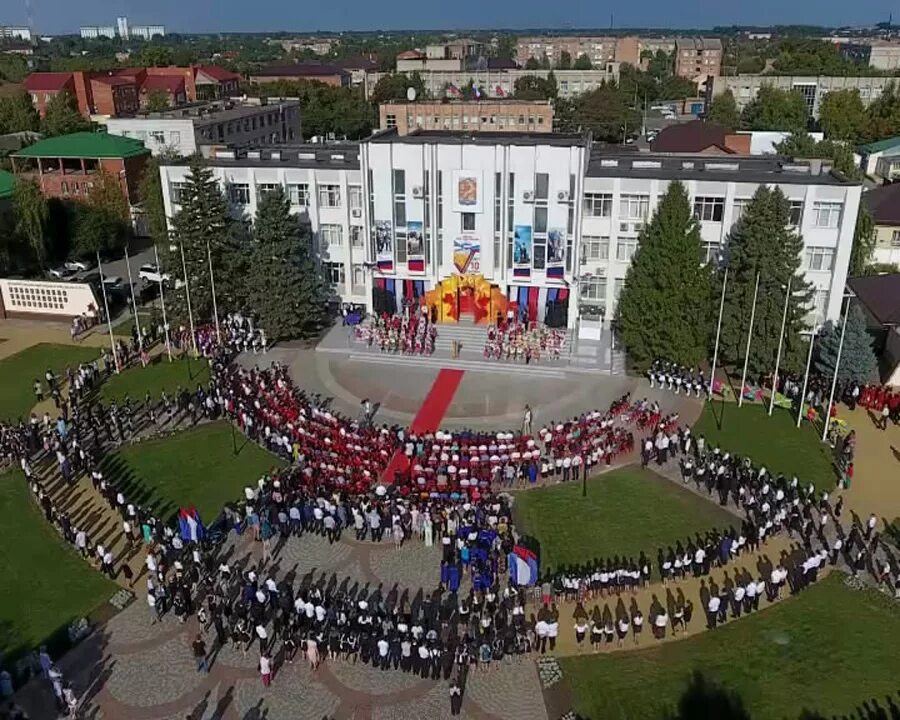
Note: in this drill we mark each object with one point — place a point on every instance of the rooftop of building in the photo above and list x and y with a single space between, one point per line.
881 296
473 102
299 70
213 112
84 145
335 156
113 79
613 161
451 137
884 204
46 81
167 83
690 137
216 73
7 182
698 43
880 145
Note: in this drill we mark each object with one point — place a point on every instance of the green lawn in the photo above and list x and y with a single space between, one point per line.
625 511
827 650
159 375
18 373
46 586
195 467
771 441
123 329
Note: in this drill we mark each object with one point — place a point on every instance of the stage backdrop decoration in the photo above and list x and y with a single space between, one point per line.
556 253
522 249
467 191
467 255
415 246
384 245
487 299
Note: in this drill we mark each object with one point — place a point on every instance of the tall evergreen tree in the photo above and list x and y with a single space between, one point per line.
32 216
62 116
763 242
284 287
858 362
663 311
203 218
863 242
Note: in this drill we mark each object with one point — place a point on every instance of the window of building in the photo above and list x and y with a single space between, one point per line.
541 186
634 207
709 209
330 196
738 207
827 214
626 247
355 196
334 271
299 194
895 239
467 222
595 248
820 303
176 191
820 258
390 120
540 220
598 204
175 138
263 188
400 182
329 236
157 136
359 280
593 290
709 252
356 236
240 193
618 284
796 213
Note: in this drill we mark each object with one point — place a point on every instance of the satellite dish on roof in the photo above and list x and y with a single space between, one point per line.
411 94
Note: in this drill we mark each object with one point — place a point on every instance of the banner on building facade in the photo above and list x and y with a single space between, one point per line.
556 253
467 255
522 251
384 245
415 246
467 191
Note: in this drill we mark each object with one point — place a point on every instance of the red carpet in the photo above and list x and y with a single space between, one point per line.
429 417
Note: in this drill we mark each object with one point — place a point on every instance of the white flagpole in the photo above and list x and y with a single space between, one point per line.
137 322
712 372
749 337
112 340
212 285
187 295
787 299
837 365
162 300
812 341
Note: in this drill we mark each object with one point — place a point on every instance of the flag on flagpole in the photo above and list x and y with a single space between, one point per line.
477 92
453 90
498 91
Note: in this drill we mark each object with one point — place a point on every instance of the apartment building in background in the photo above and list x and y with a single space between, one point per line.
598 49
545 219
125 91
498 115
212 127
320 72
883 203
698 58
15 32
123 30
813 88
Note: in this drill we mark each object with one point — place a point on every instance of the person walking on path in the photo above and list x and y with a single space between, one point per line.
265 669
526 421
199 648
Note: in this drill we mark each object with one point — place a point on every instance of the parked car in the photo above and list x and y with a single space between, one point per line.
112 282
78 265
60 273
151 273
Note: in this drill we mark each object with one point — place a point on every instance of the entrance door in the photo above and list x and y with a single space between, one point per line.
466 301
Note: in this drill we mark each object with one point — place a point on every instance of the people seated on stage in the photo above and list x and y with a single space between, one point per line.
409 333
519 341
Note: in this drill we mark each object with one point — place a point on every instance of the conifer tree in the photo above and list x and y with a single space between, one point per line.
762 241
663 310
858 362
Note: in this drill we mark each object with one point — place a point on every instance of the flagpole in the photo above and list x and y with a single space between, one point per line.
187 295
112 340
787 299
137 322
749 336
837 365
812 341
212 285
162 300
712 373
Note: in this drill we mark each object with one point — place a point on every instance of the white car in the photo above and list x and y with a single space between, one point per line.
78 265
151 273
60 273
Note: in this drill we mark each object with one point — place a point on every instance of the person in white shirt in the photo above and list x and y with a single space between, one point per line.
712 612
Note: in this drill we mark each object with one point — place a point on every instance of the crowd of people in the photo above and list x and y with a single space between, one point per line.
407 333
676 378
524 341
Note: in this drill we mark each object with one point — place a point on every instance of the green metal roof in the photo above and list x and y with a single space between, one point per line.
85 145
7 180
880 145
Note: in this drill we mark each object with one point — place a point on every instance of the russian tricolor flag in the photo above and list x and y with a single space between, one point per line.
523 566
416 264
385 265
522 272
190 525
555 272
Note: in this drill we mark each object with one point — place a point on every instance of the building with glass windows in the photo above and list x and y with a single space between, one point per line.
475 224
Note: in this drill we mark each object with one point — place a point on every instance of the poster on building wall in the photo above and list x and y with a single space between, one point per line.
556 253
467 191
467 255
415 246
384 245
522 246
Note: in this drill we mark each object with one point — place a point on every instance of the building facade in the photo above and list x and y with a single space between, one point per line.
211 127
697 58
813 88
472 223
467 116
598 49
92 32
147 32
328 74
15 32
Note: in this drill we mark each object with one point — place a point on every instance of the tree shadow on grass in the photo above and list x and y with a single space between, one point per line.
136 489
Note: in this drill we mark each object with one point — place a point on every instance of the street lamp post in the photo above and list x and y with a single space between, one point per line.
787 298
749 337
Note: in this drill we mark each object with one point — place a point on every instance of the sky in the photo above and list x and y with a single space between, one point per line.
65 16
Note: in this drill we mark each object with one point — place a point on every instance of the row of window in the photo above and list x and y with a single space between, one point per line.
708 209
329 196
331 235
464 120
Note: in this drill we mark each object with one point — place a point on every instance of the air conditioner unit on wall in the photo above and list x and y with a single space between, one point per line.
563 196
417 191
356 212
528 196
